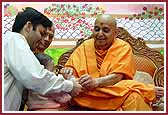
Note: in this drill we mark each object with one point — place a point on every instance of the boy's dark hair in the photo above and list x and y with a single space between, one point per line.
32 15
43 58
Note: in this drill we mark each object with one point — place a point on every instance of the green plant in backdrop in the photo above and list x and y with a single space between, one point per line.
55 53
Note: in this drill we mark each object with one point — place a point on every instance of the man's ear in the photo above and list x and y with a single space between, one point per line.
28 26
116 32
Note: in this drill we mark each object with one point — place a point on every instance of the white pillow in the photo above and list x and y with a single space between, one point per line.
143 77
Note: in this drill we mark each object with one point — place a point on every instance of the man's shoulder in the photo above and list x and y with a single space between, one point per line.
15 38
122 43
88 42
14 35
10 33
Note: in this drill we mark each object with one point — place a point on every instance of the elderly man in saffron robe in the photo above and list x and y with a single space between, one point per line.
104 66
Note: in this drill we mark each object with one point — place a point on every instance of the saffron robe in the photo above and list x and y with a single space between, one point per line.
119 59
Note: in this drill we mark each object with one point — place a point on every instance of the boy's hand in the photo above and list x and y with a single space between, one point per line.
66 72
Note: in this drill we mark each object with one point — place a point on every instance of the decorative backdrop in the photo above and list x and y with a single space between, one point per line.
75 21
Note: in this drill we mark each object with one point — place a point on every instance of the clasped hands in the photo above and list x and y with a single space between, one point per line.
86 83
82 84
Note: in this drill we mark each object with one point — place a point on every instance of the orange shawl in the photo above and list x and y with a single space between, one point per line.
119 59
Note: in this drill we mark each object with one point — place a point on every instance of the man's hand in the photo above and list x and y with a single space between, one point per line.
87 82
159 92
77 88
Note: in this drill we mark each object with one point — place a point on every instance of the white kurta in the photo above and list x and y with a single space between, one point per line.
22 69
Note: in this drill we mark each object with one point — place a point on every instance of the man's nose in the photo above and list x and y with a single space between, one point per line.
100 33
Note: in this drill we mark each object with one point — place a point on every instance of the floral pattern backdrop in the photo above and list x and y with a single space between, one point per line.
74 21
77 20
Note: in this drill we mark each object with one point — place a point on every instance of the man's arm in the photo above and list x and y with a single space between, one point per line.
109 80
27 70
90 83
